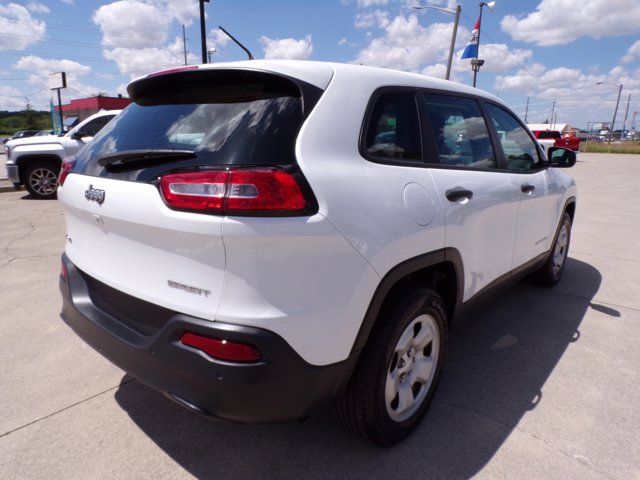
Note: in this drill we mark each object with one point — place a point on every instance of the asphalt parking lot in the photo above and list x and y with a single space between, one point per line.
539 384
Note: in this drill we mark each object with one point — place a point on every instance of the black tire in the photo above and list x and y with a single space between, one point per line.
363 409
41 179
550 273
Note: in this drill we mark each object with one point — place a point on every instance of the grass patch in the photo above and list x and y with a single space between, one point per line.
613 147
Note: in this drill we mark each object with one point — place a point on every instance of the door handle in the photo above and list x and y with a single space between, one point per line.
526 188
458 193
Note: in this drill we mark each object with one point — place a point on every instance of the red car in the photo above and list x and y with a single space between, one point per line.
565 141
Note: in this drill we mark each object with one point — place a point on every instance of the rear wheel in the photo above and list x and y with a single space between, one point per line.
41 179
398 370
551 271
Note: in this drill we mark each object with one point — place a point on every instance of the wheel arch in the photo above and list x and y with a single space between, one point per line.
570 207
25 161
441 270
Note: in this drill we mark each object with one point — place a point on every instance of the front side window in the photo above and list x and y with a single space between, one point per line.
460 132
394 128
519 148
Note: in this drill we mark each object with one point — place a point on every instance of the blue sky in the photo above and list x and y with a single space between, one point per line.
549 50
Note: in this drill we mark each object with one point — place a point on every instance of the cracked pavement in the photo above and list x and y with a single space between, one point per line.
538 384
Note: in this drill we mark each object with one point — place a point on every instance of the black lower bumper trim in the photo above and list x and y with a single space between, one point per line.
281 387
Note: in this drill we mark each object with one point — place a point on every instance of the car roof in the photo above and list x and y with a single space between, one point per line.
321 74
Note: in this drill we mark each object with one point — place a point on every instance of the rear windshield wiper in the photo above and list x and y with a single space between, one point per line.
120 159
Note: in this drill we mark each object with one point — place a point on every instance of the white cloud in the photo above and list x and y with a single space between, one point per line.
219 38
632 53
37 7
344 42
138 61
38 70
11 98
18 29
184 12
377 18
407 45
68 2
131 24
578 97
498 57
369 3
44 66
287 48
547 25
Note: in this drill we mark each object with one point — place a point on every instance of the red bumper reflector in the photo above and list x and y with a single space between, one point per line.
64 273
226 350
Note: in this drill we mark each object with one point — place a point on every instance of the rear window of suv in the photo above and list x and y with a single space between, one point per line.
223 117
547 134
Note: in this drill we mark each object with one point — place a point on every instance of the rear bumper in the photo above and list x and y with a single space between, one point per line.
280 387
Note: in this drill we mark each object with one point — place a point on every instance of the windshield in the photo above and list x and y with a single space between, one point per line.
226 119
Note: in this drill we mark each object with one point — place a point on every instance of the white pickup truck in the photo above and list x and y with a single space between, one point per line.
35 161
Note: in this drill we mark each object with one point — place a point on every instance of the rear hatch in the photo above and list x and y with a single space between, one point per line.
122 229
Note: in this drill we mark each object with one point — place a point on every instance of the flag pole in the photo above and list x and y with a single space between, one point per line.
476 65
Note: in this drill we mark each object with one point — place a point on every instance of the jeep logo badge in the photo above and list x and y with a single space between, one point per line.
94 195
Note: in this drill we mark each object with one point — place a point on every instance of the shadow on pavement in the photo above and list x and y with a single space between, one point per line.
498 362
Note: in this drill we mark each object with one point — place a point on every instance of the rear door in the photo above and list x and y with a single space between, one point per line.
480 202
121 231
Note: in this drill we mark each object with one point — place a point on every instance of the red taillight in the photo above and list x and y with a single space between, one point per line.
67 167
64 273
264 191
226 350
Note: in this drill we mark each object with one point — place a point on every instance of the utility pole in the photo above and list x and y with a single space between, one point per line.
184 44
553 111
615 112
526 111
203 31
626 113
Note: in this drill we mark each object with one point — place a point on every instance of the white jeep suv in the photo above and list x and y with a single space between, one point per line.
260 239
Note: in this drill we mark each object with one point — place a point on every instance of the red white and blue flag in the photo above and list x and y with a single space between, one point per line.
471 50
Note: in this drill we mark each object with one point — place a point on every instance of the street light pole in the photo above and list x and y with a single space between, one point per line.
452 47
203 31
453 40
615 112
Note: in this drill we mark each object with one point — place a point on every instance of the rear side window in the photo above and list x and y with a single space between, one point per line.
393 131
224 117
459 131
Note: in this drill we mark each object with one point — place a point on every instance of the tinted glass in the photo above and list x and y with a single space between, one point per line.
519 148
94 126
394 128
545 135
226 119
460 132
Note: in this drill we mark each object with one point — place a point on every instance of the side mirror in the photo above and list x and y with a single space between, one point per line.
561 157
79 135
